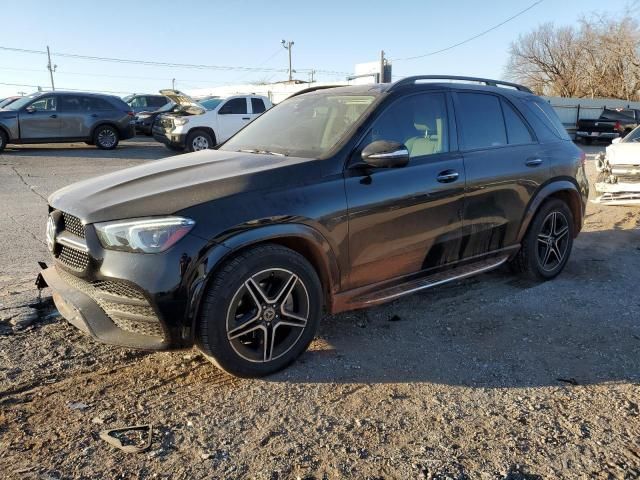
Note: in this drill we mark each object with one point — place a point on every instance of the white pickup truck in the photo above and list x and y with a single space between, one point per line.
201 125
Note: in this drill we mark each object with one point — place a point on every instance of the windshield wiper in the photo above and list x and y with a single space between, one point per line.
267 152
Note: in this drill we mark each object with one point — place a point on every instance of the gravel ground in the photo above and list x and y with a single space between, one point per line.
491 378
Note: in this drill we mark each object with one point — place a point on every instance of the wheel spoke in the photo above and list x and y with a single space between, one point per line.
256 292
547 254
292 319
562 233
553 223
269 338
286 290
542 238
246 327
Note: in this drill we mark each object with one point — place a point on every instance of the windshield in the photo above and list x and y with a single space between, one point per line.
307 126
211 103
634 136
167 107
21 102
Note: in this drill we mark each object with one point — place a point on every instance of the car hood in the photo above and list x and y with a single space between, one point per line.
186 103
624 153
167 186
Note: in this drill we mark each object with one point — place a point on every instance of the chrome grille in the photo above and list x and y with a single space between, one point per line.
133 314
72 224
73 258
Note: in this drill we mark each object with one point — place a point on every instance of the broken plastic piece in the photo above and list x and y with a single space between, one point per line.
107 436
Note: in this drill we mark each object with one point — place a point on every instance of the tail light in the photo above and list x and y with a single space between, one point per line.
618 126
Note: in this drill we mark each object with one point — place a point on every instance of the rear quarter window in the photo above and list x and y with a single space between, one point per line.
544 112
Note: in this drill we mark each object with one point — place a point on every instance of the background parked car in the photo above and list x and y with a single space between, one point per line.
56 117
612 123
145 119
198 126
145 102
6 101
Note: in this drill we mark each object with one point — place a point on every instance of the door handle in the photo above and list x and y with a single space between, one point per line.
246 118
448 176
533 162
53 116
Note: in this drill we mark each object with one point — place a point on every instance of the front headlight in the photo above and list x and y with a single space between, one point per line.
148 235
181 121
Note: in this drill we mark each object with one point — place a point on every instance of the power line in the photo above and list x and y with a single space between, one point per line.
158 64
62 88
470 38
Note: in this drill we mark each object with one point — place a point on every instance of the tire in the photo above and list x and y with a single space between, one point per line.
106 137
541 242
3 140
290 322
199 140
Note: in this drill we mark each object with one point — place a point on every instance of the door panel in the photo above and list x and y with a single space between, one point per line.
403 220
41 123
232 116
504 167
499 188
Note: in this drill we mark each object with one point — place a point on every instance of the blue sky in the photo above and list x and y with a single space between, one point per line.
329 35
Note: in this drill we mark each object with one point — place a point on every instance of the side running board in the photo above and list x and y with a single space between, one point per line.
433 280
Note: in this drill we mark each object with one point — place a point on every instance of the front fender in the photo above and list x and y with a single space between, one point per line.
299 237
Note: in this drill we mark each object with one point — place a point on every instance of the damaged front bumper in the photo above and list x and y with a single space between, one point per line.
617 184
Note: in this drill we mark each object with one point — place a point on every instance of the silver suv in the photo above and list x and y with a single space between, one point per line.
56 117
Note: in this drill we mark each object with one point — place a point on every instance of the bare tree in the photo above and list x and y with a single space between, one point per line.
601 58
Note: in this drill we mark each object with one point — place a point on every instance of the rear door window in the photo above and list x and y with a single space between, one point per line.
70 103
235 106
517 131
93 104
257 105
480 117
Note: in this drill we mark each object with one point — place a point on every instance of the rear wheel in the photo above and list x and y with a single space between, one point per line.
3 140
199 140
547 245
106 137
261 311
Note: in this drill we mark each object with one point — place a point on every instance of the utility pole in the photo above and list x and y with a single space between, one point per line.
173 84
381 79
312 74
288 46
51 68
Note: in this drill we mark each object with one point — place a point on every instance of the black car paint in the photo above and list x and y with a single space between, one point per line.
352 223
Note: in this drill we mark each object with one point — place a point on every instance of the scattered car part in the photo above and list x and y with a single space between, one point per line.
108 436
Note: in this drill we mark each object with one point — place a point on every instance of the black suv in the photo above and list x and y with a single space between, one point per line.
336 199
60 117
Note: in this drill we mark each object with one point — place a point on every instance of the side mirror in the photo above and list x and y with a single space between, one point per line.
616 140
385 154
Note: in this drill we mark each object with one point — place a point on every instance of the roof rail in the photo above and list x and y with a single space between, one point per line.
492 83
313 89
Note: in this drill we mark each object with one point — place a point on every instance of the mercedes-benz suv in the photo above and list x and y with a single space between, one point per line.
335 199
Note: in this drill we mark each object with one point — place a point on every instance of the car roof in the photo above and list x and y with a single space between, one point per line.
428 84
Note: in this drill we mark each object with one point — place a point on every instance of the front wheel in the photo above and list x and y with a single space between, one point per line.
199 140
547 245
260 312
106 137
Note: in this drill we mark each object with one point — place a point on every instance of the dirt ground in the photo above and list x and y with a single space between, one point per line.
490 378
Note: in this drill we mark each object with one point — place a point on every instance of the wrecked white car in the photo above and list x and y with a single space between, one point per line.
618 181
